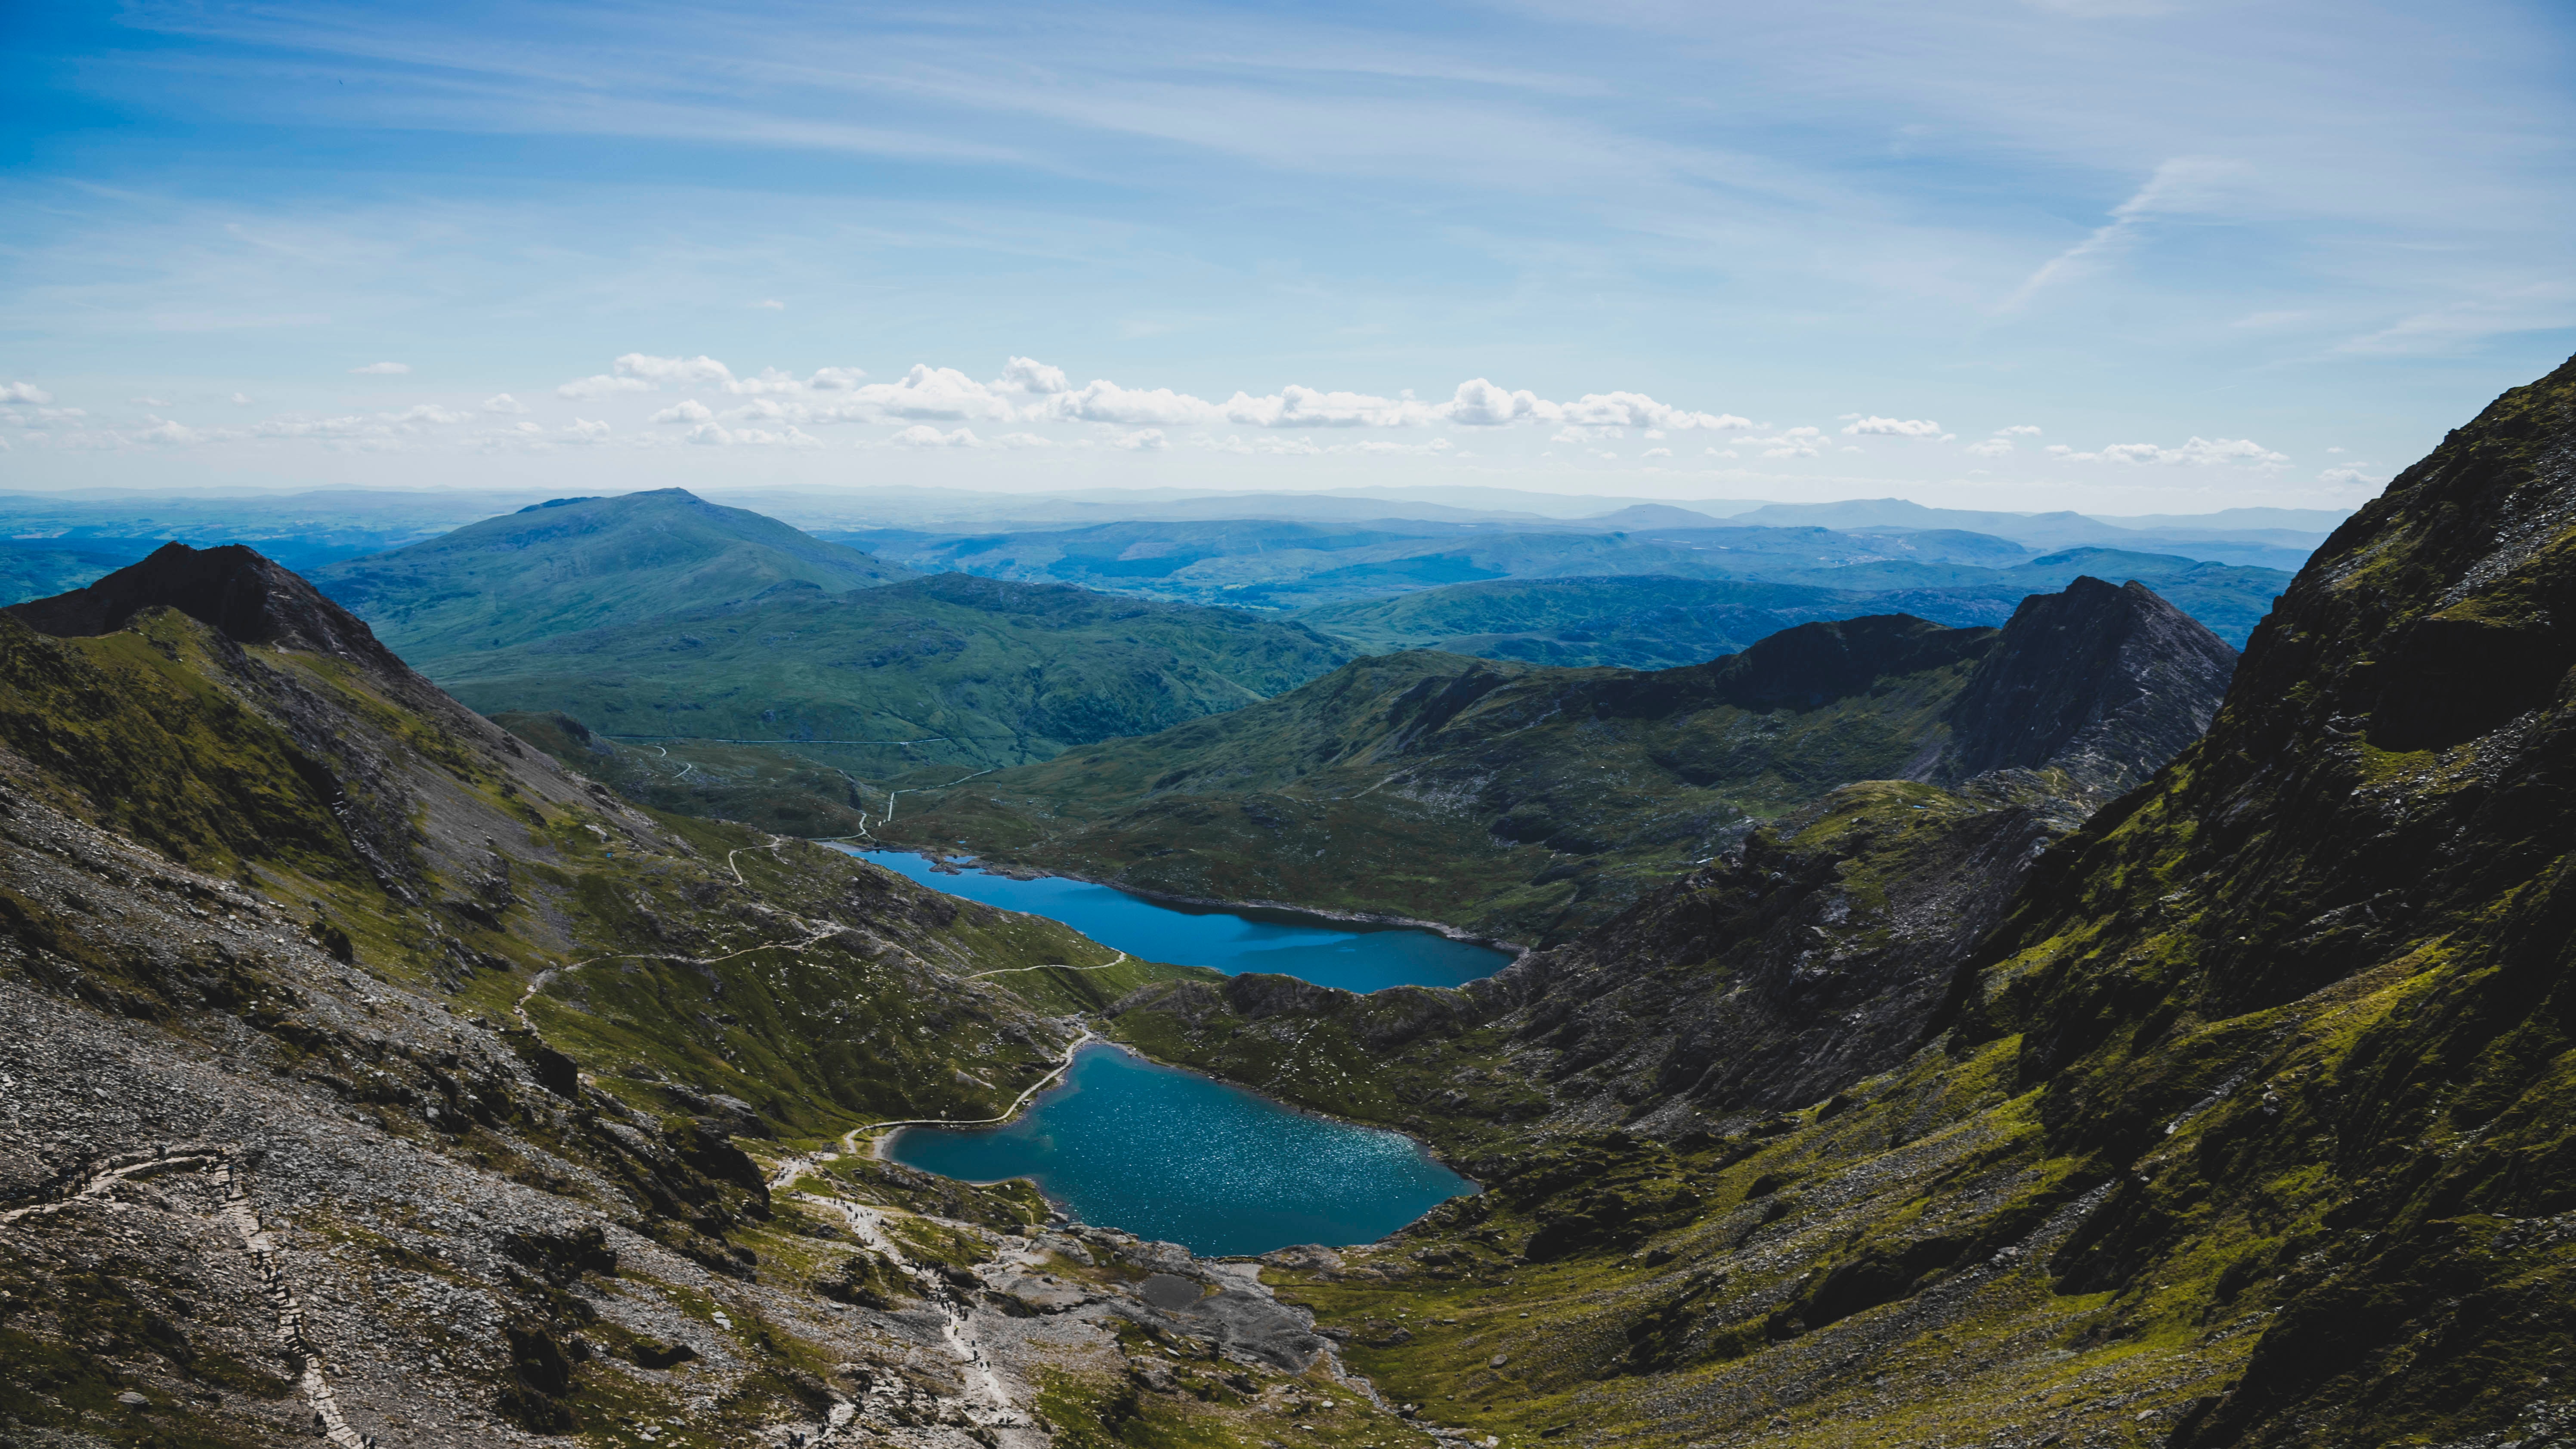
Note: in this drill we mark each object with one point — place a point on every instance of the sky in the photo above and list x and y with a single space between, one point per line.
2113 255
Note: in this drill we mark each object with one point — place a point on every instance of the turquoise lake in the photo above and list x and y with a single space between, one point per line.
1172 1156
1311 948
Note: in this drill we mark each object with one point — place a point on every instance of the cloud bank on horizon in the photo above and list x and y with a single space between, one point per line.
2026 255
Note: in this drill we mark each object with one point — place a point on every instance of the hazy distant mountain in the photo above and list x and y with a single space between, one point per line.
2264 537
581 563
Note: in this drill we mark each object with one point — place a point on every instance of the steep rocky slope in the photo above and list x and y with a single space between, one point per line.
2240 1116
1530 804
370 1078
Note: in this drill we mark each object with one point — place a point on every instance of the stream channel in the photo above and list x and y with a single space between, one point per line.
1177 1157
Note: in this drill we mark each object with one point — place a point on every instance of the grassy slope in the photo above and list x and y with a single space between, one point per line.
1522 803
991 673
2252 1127
548 571
160 733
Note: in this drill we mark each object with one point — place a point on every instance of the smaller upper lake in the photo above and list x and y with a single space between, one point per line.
1172 1156
1311 948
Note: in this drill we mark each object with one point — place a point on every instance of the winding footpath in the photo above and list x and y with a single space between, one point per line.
795 1167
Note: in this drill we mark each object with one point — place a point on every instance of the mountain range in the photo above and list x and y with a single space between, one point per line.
373 1079
1529 804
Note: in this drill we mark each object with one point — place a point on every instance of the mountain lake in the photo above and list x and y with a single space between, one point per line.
1352 955
1172 1156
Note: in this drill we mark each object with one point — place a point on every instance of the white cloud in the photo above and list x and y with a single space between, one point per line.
1024 440
1481 404
21 392
688 410
1990 448
241 400
602 385
382 369
836 379
1790 443
503 403
769 304
719 436
643 372
1895 428
1656 453
1636 410
1103 401
165 431
1027 374
1140 441
141 402
2350 478
2018 430
922 435
2198 453
1304 407
770 380
583 430
424 413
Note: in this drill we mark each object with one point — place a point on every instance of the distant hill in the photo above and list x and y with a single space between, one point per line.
573 564
1274 564
1660 622
1644 622
1530 803
983 672
35 573
2266 537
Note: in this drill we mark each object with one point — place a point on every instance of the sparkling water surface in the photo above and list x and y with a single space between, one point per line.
1311 948
1172 1156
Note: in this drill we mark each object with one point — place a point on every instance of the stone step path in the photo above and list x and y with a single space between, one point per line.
988 1404
236 1214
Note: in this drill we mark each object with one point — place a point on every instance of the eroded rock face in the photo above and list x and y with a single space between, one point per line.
2106 683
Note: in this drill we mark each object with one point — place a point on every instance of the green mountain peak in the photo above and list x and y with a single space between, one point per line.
581 564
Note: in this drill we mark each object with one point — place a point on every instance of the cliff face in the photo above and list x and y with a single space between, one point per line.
2105 683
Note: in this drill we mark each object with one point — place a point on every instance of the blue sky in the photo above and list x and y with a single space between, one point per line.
2118 255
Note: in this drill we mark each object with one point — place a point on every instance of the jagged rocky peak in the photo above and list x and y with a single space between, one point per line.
2103 681
233 589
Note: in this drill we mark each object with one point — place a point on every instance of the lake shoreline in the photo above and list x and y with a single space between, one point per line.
879 1147
1013 871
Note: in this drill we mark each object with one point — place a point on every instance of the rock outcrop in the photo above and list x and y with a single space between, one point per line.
2104 683
232 589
